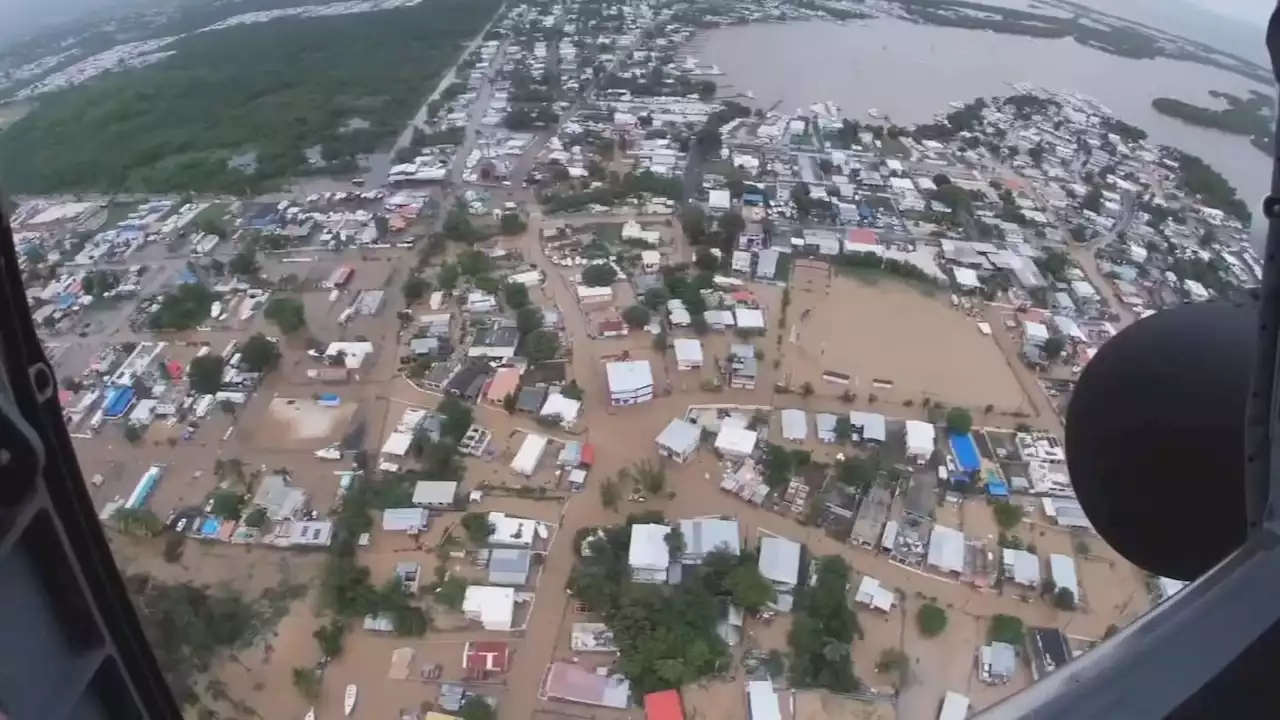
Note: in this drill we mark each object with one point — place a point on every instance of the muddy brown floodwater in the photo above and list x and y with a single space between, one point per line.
885 331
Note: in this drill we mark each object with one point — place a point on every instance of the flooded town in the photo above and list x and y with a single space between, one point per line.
609 391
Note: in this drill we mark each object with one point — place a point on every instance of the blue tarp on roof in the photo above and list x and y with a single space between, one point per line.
997 488
966 453
752 199
118 402
186 277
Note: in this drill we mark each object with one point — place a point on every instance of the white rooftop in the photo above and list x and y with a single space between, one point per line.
649 547
872 594
1021 566
736 441
629 376
493 606
434 492
508 530
780 560
680 436
920 437
795 425
688 350
703 535
946 549
1062 568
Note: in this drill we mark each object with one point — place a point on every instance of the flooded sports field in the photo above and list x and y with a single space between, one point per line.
890 339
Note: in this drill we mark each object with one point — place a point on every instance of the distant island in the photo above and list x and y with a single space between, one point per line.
1100 31
1253 117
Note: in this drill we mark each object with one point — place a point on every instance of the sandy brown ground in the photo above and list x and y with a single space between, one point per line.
622 437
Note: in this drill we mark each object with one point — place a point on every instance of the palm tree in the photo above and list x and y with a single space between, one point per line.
834 650
670 669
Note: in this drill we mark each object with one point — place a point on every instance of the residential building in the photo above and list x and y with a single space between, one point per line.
573 683
736 442
509 566
705 535
874 595
868 427
767 264
279 499
780 564
493 607
1020 567
630 382
795 425
679 440
649 557
410 520
688 352
997 663
946 550
954 707
921 439
435 493
762 701
1062 569
744 368
497 342
1049 651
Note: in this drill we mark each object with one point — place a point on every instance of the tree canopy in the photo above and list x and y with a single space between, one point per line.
636 316
541 345
599 275
666 636
287 313
266 92
183 309
823 629
204 374
959 421
258 354
931 620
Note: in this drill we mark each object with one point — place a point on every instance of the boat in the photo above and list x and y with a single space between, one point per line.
751 95
956 104
349 700
311 715
875 113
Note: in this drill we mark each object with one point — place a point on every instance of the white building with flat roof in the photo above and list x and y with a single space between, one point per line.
679 440
946 550
688 353
630 382
1062 569
921 438
648 555
493 607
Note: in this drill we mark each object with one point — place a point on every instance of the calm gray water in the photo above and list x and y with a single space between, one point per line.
912 71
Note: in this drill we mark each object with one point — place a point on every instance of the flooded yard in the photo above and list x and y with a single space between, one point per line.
908 345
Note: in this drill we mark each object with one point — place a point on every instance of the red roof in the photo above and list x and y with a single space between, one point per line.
175 370
486 657
588 454
863 236
663 705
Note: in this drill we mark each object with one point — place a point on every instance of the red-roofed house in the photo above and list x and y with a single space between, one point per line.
663 705
505 382
486 658
862 240
175 370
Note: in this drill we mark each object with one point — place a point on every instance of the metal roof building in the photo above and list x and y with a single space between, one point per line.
703 535
780 561
1062 568
795 425
509 566
946 549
